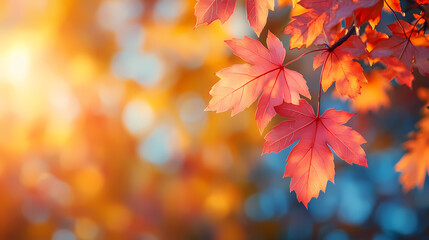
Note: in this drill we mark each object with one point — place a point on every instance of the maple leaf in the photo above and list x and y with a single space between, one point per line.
371 37
409 47
240 85
415 164
257 13
346 9
339 67
372 14
310 164
208 11
394 4
321 17
305 28
397 69
394 67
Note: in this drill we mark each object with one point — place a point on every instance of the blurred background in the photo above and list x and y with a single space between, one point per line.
103 134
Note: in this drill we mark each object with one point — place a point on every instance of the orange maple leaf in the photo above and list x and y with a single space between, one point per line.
310 164
394 4
397 69
394 67
339 67
305 28
283 3
415 164
321 17
372 14
208 11
371 37
408 45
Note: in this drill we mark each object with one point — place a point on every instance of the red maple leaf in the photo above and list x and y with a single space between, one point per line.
346 9
310 164
371 37
422 2
339 67
320 19
372 14
305 28
241 84
397 69
407 45
208 11
394 67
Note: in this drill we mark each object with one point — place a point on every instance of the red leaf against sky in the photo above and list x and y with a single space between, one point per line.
339 67
208 11
310 164
241 84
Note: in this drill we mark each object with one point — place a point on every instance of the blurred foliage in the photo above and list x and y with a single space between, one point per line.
104 135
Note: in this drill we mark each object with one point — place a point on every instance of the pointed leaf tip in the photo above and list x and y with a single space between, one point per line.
310 164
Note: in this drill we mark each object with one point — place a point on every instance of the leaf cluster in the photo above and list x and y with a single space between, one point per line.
341 55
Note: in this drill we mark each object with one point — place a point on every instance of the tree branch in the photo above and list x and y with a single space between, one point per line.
352 31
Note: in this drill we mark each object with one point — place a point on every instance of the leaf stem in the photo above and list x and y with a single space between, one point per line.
396 17
409 38
302 55
351 31
320 93
320 87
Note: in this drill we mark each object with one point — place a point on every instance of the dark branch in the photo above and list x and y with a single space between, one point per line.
352 31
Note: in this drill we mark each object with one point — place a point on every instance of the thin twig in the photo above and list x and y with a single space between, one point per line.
351 31
302 55
396 17
409 38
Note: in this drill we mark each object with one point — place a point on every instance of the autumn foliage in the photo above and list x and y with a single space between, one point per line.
415 164
346 41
